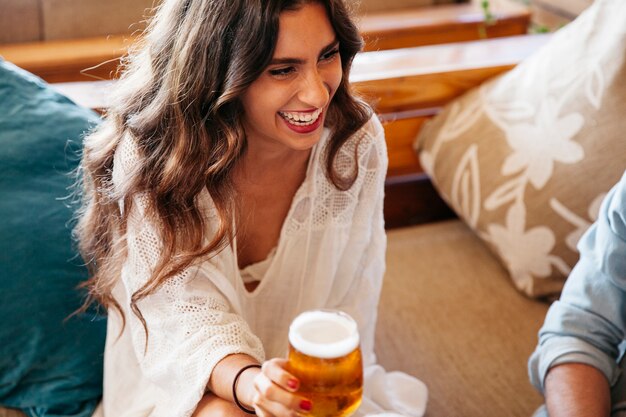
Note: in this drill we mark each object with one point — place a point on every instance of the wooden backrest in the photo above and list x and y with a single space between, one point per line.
430 25
98 58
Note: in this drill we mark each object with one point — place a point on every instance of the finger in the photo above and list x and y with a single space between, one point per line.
266 408
275 371
260 412
270 394
259 408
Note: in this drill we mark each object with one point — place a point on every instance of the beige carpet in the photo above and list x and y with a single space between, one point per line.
450 316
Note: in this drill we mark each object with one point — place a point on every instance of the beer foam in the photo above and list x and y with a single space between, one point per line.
324 334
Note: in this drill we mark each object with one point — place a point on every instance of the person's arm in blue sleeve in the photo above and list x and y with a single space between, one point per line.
576 359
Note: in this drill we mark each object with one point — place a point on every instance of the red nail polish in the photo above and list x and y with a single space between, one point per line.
306 405
292 383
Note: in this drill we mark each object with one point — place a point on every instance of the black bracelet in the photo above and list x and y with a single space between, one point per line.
244 409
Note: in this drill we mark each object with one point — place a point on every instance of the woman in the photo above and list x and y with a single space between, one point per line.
235 183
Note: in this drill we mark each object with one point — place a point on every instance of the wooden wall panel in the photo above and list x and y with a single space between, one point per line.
75 19
20 21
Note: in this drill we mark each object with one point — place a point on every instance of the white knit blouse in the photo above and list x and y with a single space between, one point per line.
330 254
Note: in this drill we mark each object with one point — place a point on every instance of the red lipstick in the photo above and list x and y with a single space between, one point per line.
306 128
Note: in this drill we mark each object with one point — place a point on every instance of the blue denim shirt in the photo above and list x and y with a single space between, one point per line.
588 323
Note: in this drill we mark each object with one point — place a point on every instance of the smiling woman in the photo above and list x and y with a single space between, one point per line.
299 83
235 183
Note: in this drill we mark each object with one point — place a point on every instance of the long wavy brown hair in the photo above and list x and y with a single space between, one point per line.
178 98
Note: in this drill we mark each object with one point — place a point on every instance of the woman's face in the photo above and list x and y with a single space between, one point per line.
286 106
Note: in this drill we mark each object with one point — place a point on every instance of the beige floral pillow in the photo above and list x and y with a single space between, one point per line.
526 158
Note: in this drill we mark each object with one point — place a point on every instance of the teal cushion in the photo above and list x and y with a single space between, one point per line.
49 366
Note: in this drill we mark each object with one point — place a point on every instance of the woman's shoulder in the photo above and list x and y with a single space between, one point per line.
363 153
373 129
370 138
370 142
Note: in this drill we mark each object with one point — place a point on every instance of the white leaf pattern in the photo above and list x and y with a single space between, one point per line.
465 193
560 265
594 208
581 225
509 191
546 140
594 87
525 252
456 123
460 120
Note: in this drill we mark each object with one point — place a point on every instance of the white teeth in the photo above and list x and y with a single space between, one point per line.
301 119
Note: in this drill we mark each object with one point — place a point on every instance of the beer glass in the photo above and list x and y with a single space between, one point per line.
324 355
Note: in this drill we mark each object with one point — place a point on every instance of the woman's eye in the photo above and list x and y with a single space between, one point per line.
281 72
330 55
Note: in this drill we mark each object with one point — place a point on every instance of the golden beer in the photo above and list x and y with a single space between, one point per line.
324 355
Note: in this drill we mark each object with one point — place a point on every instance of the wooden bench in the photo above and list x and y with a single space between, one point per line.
98 58
442 24
406 87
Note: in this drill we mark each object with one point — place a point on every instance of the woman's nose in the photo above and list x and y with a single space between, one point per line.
314 90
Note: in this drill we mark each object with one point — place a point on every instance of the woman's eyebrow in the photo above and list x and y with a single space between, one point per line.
299 61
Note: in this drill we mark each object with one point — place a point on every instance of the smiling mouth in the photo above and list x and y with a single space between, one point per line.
300 118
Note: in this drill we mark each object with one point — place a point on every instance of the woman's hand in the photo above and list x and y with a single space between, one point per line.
275 392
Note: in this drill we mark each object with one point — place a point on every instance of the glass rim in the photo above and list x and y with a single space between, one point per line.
324 350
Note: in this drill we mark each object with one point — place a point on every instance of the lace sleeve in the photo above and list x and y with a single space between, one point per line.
191 325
